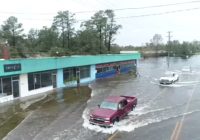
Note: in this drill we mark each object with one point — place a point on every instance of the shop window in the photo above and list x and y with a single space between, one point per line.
38 80
66 74
7 87
30 82
99 70
15 78
84 72
105 69
46 79
69 74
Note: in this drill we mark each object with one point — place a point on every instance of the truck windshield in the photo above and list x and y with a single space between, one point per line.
109 105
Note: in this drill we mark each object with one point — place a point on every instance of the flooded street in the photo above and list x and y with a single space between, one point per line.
160 107
163 112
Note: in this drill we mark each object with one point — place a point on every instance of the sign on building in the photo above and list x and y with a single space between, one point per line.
12 67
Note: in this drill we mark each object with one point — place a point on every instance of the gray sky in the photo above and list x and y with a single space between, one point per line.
136 30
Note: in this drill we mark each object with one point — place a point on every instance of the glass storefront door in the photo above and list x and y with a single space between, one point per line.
9 86
15 88
54 80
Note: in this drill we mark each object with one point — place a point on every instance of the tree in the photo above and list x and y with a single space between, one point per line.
185 49
99 22
111 29
105 26
156 41
64 22
1 39
47 39
87 41
32 40
12 30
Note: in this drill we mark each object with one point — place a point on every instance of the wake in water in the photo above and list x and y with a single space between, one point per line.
141 116
136 119
177 84
144 114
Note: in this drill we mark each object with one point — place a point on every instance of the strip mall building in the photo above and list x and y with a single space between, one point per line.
25 77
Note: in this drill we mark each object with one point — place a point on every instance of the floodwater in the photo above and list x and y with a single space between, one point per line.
160 110
33 115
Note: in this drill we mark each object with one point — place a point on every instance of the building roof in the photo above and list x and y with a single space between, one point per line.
50 63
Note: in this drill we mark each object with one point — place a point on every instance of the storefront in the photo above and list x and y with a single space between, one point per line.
75 75
112 69
9 85
43 79
25 77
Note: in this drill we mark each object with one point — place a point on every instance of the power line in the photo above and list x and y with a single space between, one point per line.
155 14
119 9
158 6
136 16
146 7
161 13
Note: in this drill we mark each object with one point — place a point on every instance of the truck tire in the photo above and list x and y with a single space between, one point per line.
133 107
115 120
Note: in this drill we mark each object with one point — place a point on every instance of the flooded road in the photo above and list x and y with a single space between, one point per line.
163 112
160 107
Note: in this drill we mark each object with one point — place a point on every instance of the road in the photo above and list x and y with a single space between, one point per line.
163 112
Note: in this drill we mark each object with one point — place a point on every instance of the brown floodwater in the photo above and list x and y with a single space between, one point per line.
13 113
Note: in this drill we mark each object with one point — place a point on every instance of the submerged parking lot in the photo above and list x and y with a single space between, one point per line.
163 112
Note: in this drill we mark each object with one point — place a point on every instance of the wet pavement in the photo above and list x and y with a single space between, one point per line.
163 112
13 112
39 115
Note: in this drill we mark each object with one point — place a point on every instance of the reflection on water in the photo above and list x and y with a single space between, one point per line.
12 113
60 95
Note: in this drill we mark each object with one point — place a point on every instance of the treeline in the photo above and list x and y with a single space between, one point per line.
173 48
94 36
176 48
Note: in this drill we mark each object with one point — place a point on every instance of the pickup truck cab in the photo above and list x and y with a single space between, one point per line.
112 109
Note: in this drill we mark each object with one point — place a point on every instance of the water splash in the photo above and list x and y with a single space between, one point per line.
132 121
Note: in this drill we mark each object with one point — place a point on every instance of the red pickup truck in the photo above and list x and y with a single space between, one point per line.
112 109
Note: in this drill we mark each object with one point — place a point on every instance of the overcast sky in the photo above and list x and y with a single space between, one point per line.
183 20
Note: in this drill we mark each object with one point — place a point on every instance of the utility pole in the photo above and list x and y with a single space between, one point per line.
168 47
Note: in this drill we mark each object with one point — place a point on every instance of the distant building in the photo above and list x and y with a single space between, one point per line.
125 52
25 77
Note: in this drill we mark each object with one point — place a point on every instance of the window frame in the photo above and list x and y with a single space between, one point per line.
38 76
